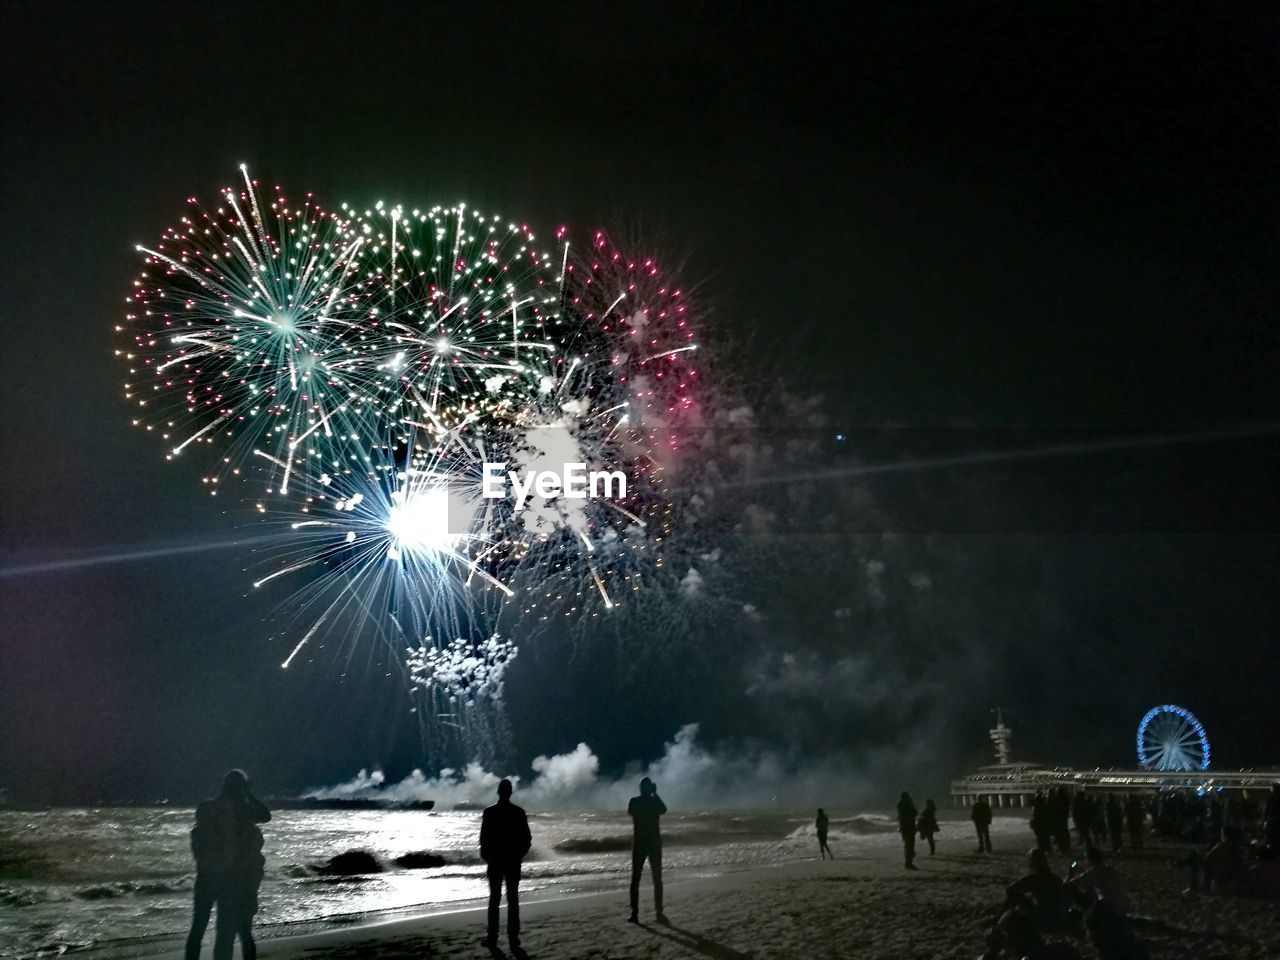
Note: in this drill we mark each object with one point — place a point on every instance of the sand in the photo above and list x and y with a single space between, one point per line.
865 905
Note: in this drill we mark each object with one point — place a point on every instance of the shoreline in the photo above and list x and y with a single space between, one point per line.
471 917
861 905
299 933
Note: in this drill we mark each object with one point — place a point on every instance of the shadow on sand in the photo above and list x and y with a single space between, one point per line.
957 858
695 941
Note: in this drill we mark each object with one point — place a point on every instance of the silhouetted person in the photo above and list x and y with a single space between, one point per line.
1110 934
1060 810
821 826
646 844
1098 820
928 825
1036 905
1115 822
1216 820
1082 817
227 846
907 827
1134 815
1271 821
1233 812
1223 867
1041 821
981 817
1098 882
504 841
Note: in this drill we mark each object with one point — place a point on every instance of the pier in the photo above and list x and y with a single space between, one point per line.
1007 783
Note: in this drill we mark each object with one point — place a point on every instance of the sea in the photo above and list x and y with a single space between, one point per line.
117 881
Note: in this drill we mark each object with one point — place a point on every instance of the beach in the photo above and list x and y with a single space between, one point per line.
862 905
738 884
118 881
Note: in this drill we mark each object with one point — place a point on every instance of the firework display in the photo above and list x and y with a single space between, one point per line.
353 376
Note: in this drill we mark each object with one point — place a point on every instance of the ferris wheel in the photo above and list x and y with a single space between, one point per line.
1171 738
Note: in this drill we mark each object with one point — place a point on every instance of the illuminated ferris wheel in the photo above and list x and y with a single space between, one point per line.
1171 738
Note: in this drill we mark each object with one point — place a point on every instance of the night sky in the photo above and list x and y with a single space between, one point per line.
963 227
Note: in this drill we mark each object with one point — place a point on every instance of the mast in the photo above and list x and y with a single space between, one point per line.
1001 737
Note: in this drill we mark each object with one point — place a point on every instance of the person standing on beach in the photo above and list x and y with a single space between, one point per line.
1060 807
821 826
1134 814
1082 817
227 846
504 841
1216 820
1041 821
907 827
981 817
1115 822
239 904
646 844
929 825
1270 821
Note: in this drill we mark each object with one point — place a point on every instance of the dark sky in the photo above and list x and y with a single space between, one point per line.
1035 222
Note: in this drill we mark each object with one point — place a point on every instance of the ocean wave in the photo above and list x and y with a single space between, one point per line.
57 947
613 844
127 888
681 836
23 864
21 897
861 825
867 823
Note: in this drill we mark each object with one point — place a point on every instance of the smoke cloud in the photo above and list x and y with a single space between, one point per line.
689 776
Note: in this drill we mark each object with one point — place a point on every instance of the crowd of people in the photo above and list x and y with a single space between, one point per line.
1042 913
1097 821
1237 851
1237 838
